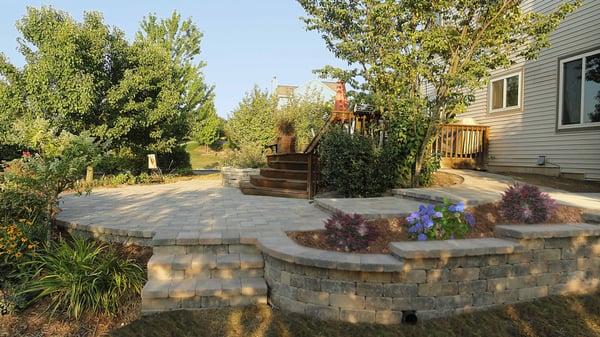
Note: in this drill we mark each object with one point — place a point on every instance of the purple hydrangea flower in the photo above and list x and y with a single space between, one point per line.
459 207
422 237
470 219
437 215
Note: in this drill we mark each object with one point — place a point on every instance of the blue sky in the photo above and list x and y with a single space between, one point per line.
246 42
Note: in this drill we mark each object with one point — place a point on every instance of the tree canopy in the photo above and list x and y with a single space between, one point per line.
138 97
396 49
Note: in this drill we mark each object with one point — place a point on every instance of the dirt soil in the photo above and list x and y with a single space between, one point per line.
561 183
556 316
395 229
35 321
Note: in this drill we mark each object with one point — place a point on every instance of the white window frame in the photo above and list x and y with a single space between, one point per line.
503 77
561 67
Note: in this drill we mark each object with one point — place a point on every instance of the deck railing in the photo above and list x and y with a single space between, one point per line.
459 141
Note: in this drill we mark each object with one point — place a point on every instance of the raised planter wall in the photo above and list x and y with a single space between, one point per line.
232 177
442 278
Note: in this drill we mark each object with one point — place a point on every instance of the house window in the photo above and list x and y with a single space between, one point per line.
505 92
579 91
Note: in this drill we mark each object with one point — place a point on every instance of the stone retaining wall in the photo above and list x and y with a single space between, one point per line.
445 277
233 176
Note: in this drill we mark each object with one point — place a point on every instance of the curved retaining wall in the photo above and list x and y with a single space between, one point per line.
232 177
438 278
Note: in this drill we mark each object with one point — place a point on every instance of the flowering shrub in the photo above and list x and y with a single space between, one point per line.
526 203
349 232
448 221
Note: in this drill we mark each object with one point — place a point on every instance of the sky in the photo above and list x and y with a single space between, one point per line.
246 42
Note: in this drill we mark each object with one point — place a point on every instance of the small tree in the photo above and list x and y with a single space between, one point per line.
308 113
253 121
397 48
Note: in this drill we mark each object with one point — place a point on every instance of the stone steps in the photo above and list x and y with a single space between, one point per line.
205 266
203 270
198 293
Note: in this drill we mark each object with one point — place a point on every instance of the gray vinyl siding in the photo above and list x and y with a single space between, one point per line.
518 138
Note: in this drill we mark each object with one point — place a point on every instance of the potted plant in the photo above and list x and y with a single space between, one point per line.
286 136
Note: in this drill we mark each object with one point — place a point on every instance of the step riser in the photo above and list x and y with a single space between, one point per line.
282 174
288 166
292 185
161 273
299 157
205 249
155 305
250 190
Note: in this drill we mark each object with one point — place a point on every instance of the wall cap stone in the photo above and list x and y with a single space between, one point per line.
453 248
283 248
547 231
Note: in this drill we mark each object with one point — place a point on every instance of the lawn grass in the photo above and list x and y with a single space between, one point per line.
553 316
200 158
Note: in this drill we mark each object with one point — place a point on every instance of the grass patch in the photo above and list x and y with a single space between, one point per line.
552 316
200 158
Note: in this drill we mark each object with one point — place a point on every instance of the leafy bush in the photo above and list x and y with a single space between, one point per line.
447 221
247 156
526 203
353 166
308 112
405 136
253 121
83 276
30 191
349 232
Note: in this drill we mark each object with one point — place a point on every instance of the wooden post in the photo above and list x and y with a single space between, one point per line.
89 174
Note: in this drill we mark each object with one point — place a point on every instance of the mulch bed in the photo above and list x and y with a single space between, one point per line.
35 321
395 229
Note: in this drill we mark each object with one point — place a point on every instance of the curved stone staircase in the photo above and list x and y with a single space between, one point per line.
285 176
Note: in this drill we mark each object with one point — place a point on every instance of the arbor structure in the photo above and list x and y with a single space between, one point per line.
420 61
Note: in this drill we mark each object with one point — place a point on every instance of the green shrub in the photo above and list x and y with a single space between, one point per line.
353 166
83 276
404 137
247 156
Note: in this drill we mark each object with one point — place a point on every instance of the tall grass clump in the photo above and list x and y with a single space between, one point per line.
83 277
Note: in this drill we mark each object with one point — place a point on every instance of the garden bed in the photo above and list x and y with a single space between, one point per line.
487 216
35 321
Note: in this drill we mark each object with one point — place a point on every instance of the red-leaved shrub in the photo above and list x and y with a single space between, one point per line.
349 232
526 203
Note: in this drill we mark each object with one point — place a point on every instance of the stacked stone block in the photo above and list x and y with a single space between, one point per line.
443 278
203 270
232 177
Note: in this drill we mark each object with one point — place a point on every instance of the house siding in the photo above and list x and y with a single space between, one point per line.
517 138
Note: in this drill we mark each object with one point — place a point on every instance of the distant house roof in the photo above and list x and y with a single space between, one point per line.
325 89
285 90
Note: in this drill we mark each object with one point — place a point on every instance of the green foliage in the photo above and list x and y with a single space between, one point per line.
208 128
138 97
353 166
30 190
308 114
396 48
82 276
405 136
253 121
247 156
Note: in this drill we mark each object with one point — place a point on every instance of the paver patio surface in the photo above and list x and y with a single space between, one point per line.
194 205
370 208
206 206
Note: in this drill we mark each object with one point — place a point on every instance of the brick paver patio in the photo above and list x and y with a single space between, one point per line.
193 205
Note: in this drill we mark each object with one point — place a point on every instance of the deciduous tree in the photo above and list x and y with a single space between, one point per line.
396 49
